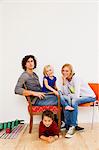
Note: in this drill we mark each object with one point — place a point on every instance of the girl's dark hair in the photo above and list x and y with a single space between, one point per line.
25 59
48 113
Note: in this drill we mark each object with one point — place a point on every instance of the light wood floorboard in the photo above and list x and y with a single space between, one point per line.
86 140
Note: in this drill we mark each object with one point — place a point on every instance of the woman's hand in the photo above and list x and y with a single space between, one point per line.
64 80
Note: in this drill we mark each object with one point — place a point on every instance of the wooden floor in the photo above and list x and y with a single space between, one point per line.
86 140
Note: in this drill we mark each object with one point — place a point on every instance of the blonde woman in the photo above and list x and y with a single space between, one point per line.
76 92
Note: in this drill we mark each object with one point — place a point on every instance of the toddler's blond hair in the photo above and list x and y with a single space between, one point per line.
44 70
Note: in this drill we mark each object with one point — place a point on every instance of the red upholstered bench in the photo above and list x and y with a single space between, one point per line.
40 109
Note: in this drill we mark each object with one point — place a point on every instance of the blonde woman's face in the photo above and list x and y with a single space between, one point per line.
66 72
49 71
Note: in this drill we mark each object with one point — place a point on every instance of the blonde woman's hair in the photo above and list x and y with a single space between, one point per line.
70 67
44 70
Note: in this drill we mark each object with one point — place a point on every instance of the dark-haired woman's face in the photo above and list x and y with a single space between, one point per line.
29 64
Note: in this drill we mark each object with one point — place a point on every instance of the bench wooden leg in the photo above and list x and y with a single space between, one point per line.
59 119
31 123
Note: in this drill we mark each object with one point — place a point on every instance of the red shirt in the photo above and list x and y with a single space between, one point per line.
48 131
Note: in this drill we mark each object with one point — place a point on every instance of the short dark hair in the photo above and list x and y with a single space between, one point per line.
25 59
48 113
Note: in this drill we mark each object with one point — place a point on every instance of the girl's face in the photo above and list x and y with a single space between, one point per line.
47 121
29 64
49 71
66 72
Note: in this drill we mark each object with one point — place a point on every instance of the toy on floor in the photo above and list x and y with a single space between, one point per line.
8 126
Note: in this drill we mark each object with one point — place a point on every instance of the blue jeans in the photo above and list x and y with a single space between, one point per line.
49 100
65 100
71 116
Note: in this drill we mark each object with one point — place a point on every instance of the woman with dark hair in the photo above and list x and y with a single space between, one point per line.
31 80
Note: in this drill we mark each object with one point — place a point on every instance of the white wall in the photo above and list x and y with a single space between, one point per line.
56 32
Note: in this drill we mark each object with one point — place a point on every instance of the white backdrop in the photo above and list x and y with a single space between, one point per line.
56 32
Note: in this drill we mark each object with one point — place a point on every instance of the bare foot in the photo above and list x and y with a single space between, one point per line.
69 108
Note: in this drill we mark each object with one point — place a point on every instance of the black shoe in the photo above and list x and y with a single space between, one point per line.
77 128
67 127
64 126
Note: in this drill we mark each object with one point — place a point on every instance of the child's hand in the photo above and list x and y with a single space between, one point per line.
56 137
56 93
51 139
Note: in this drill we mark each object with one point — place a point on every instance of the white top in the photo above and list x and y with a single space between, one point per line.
79 88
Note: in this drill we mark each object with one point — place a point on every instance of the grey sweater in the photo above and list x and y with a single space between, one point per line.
31 81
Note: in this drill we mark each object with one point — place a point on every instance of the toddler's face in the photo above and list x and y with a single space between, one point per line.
49 71
47 121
